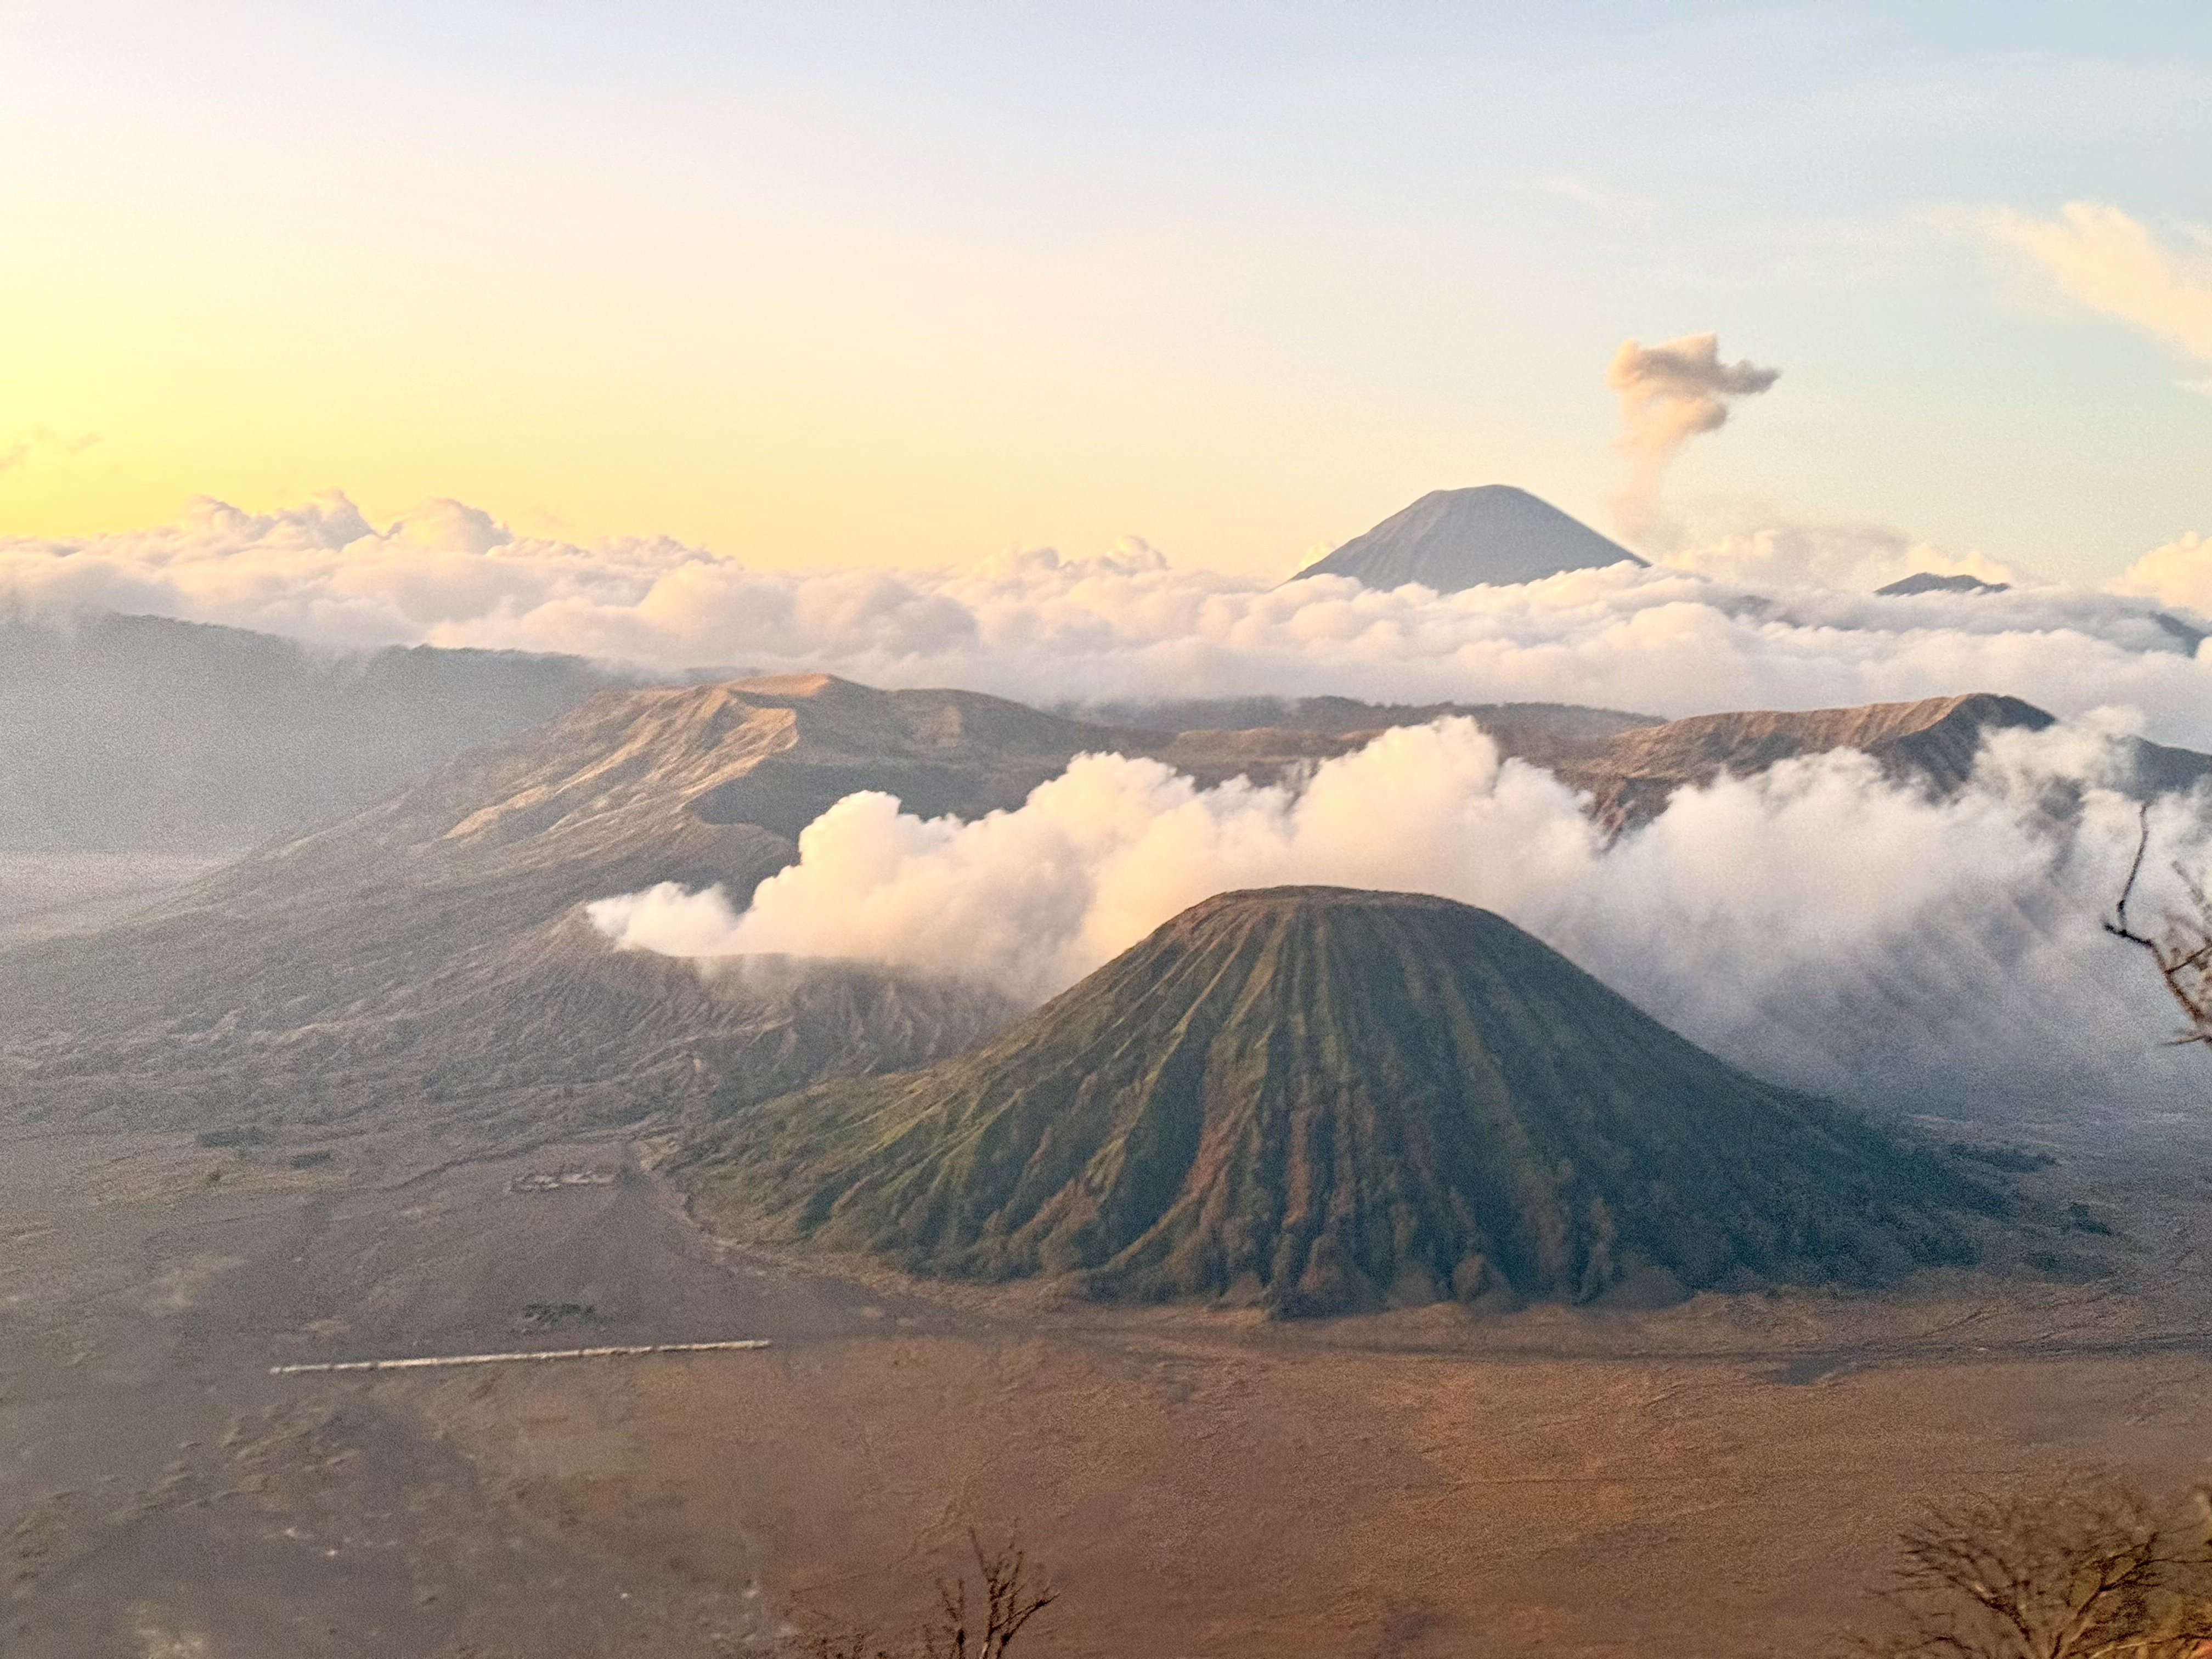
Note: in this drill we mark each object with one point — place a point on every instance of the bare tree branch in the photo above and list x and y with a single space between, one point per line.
2117 926
2183 953
1011 1596
2077 1568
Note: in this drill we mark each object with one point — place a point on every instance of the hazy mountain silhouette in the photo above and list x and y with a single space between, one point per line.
137 732
2173 634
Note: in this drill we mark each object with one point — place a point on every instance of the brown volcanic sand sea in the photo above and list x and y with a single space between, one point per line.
1720 1479
1199 1495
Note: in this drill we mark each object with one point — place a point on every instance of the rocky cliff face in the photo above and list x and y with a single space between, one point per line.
1932 744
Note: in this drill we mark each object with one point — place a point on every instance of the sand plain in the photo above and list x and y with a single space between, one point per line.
1722 1477
1240 1491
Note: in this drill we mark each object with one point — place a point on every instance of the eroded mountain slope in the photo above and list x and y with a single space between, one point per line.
1324 1100
431 947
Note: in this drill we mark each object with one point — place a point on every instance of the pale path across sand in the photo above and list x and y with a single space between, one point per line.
631 1351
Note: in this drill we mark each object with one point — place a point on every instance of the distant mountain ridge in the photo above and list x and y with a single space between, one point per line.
120 731
1325 1101
1450 539
417 950
412 948
2131 627
1932 744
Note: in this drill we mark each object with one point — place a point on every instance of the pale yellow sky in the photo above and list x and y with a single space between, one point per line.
854 402
827 285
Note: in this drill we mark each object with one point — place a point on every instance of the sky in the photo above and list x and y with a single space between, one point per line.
878 284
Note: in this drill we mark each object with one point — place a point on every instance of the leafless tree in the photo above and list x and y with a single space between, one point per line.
2182 949
1011 1595
2080 1568
979 1615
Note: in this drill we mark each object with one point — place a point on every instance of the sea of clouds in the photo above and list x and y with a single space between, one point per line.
1780 619
1816 924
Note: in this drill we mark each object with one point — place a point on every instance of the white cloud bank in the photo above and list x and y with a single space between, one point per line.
1804 924
2178 574
1815 924
1749 624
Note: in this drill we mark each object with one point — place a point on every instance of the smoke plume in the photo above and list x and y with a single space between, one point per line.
1669 393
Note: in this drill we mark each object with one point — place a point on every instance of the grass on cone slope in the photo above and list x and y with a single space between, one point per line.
1325 1100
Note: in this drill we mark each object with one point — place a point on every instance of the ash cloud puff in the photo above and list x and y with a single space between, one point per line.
1669 393
1815 924
1751 626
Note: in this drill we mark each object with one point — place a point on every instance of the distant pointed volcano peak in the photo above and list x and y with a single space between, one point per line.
1491 534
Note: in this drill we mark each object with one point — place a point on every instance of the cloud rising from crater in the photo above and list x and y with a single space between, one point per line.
1815 924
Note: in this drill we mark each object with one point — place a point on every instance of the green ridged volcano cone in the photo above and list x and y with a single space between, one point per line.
1325 1100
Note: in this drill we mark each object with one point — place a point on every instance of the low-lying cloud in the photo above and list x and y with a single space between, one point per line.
2179 573
1816 923
1757 622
